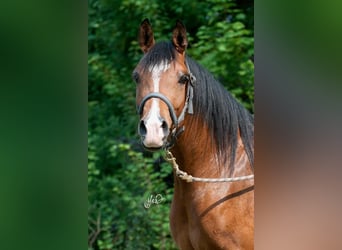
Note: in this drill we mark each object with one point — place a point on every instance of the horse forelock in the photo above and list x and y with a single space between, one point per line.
162 53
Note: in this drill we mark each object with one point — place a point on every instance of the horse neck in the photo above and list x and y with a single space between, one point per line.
195 152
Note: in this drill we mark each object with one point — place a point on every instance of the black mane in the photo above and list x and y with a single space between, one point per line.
224 116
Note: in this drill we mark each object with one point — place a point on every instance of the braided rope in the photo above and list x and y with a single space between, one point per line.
189 178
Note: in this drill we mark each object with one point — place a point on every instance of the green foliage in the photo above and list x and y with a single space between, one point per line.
121 177
117 216
225 46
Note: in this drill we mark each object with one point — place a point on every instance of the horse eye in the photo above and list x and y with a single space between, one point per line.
136 77
184 79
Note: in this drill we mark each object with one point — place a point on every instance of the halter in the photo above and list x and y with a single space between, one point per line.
188 107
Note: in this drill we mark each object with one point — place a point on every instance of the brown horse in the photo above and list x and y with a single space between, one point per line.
185 110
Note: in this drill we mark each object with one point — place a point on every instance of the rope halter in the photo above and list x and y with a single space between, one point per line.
188 108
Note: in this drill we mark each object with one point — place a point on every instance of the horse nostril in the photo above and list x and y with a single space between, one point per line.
165 127
142 128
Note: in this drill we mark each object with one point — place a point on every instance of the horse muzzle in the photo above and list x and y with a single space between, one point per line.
153 132
153 129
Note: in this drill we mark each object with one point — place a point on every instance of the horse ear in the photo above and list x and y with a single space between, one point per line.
179 39
146 39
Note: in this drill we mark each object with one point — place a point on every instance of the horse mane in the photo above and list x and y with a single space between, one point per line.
225 117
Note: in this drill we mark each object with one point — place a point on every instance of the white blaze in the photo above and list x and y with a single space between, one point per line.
155 134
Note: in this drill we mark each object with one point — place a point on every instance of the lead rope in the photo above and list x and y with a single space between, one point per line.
189 178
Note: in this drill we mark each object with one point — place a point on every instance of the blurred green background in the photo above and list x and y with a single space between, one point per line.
121 176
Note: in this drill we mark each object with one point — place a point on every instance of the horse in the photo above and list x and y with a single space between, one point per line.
209 137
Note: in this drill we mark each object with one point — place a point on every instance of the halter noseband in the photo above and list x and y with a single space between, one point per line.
188 107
